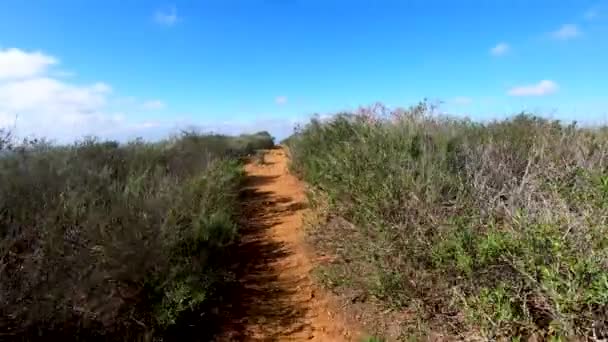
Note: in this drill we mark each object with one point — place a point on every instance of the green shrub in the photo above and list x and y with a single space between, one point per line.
506 219
117 240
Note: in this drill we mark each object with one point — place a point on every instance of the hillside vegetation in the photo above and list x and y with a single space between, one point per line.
109 241
496 229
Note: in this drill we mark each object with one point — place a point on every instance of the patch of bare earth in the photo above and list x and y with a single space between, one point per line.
275 298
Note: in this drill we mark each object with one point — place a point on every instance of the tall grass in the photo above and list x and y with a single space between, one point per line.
498 229
115 241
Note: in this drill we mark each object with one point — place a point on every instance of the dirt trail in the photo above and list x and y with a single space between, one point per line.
276 299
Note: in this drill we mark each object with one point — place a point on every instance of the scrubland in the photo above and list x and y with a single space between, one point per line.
101 240
490 230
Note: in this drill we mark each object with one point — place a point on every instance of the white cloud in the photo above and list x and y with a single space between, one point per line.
153 105
167 17
281 100
280 128
544 87
500 49
148 124
43 92
41 104
35 101
462 100
566 32
15 63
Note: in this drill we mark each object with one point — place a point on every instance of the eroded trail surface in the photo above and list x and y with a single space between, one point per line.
276 299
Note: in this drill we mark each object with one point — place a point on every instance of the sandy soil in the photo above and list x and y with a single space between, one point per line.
276 299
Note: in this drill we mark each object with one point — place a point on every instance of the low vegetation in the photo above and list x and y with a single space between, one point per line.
493 229
101 240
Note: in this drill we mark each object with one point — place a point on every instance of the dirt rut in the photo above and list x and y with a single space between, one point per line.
276 299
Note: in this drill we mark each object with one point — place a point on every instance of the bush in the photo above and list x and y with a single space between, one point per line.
504 222
104 240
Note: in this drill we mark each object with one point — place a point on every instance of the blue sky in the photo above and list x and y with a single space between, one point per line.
121 69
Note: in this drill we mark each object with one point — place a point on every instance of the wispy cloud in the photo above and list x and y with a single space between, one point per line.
461 100
167 16
544 87
591 14
281 100
16 63
500 49
34 101
154 105
566 32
